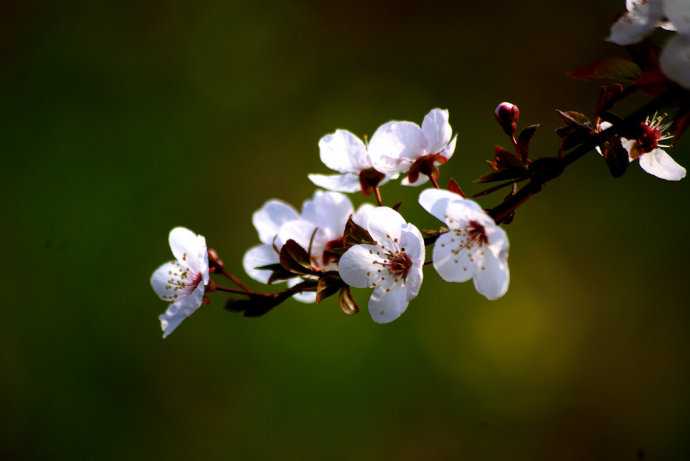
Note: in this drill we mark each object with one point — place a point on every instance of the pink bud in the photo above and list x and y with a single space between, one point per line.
508 116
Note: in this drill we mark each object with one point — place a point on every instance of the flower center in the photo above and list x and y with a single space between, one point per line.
476 233
649 139
334 249
399 265
426 165
369 180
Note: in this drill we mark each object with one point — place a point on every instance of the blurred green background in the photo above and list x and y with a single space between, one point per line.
123 120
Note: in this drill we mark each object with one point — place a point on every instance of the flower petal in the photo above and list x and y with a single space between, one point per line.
395 145
437 130
344 152
449 150
161 278
270 217
173 281
385 226
453 264
603 126
658 163
414 280
386 305
360 265
361 216
492 277
301 231
422 179
180 310
675 60
348 182
640 20
329 211
678 12
435 202
258 256
412 243
190 249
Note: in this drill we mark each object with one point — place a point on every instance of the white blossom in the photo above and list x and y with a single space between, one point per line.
346 154
182 282
474 246
649 149
321 222
393 266
405 147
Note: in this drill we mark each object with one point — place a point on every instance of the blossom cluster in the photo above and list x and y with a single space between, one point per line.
329 247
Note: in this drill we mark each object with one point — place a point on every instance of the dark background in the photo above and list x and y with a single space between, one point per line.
122 120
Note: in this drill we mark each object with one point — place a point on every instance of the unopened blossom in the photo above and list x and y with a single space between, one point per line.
182 282
393 266
318 229
405 147
649 149
345 153
474 246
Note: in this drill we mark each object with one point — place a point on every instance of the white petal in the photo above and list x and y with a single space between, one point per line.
190 249
678 12
498 240
301 232
180 310
344 152
449 150
385 226
270 217
492 277
360 265
658 163
361 216
422 179
414 280
634 25
437 130
451 262
628 145
435 202
329 211
307 297
386 306
395 145
412 242
174 281
675 60
160 281
258 256
348 182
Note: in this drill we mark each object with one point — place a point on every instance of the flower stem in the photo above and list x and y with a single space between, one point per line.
231 290
434 181
236 280
379 198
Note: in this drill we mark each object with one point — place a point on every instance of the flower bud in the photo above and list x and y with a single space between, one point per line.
214 260
508 116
